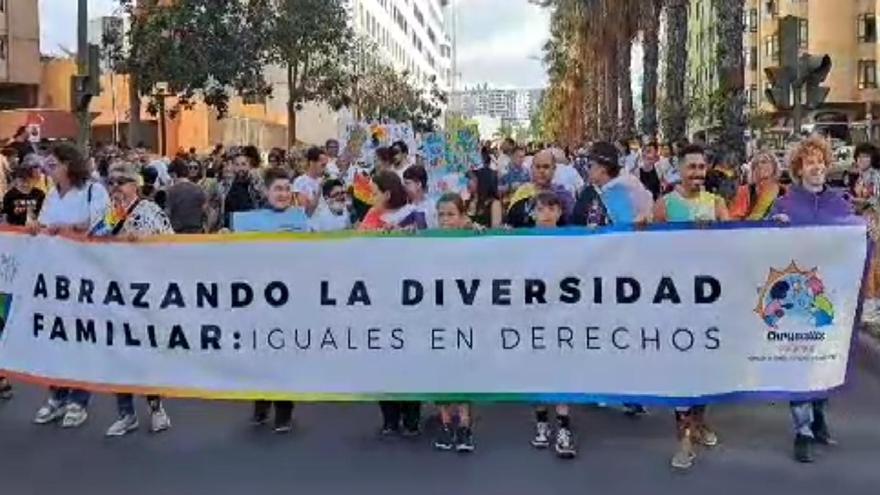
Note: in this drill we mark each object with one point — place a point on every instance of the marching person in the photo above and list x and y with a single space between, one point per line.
754 200
73 206
132 217
307 187
810 201
866 199
279 199
521 213
451 216
548 211
690 202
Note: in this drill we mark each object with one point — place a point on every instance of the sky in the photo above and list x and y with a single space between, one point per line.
499 41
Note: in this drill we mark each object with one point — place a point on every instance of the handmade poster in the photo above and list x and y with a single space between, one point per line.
292 220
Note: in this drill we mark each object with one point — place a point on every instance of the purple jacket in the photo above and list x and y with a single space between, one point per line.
803 206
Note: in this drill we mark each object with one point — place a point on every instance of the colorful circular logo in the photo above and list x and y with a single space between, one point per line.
796 299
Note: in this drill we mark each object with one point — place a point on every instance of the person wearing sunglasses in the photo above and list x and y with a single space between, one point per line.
333 214
73 207
133 217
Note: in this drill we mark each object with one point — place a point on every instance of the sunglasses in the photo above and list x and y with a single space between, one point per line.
119 181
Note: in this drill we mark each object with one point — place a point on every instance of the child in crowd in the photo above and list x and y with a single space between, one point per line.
415 180
23 201
548 211
451 215
279 198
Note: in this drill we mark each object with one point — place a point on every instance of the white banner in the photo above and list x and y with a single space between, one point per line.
671 315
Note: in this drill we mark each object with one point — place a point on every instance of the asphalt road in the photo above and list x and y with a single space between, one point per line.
334 449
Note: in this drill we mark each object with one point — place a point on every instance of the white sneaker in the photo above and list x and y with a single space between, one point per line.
159 420
123 425
50 412
75 416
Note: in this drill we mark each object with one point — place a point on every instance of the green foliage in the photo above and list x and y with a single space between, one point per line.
379 92
313 41
197 48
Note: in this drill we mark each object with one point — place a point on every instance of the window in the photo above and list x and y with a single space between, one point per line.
753 20
752 58
3 8
867 74
753 96
771 47
867 25
3 48
803 33
772 7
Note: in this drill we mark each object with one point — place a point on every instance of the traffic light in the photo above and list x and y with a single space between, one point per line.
781 81
80 93
84 87
812 71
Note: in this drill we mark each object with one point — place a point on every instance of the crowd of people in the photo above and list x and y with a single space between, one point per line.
129 194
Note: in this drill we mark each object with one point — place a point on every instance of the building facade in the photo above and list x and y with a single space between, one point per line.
847 31
510 106
19 53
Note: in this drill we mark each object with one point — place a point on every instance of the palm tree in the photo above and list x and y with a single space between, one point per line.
650 27
731 73
675 118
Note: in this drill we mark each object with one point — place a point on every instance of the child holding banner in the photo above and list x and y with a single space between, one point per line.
451 215
279 197
689 202
548 211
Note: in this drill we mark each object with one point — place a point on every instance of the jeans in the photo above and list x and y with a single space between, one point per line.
125 404
64 395
393 412
809 418
283 410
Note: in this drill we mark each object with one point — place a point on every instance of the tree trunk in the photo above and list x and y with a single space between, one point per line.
627 124
675 118
291 108
731 74
134 111
650 62
611 96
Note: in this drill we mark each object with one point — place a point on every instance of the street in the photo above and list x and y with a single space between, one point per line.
212 449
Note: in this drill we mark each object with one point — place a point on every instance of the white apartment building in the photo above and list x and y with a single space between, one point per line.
412 35
508 105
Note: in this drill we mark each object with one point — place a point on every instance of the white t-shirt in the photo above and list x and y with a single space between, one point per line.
324 220
75 208
567 177
332 169
429 208
305 184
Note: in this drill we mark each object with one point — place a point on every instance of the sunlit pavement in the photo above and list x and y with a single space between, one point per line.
212 449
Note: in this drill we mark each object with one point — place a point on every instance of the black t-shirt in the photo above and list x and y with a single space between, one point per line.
16 203
590 210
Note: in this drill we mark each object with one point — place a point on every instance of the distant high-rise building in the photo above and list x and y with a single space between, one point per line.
509 105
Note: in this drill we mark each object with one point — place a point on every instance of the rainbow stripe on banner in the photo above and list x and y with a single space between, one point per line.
760 337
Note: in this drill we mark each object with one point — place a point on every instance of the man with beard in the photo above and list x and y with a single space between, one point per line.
241 194
689 202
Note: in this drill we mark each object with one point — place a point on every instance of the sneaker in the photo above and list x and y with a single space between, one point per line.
542 436
123 425
75 416
389 431
464 440
634 410
283 427
51 411
159 420
684 457
260 419
410 432
565 448
705 436
444 439
803 449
